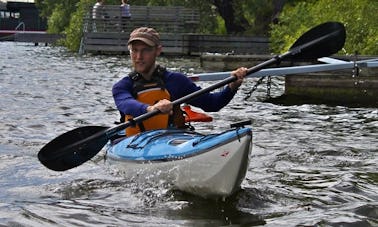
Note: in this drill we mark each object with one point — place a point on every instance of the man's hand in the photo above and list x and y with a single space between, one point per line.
239 73
164 106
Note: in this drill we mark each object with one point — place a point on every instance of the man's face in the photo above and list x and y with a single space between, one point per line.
143 56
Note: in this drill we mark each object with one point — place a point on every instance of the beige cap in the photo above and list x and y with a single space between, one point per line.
147 35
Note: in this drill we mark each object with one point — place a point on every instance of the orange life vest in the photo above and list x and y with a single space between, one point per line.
151 92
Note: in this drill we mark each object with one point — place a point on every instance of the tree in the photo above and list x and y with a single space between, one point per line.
74 30
227 12
357 16
57 12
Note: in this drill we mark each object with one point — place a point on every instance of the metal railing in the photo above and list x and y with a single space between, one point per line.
19 25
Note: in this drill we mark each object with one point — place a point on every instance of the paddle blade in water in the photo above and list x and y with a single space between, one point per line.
73 148
323 40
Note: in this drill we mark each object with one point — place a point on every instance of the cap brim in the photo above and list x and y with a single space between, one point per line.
146 41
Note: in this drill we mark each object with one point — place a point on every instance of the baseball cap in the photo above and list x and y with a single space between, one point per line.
147 35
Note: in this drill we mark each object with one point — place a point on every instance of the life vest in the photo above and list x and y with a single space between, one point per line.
151 92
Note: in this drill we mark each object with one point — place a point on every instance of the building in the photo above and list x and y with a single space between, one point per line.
23 16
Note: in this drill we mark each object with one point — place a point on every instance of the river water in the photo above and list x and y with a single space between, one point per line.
311 165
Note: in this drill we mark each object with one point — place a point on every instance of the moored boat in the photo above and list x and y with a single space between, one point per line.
211 165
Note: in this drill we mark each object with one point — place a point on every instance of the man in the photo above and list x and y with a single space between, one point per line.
151 87
98 16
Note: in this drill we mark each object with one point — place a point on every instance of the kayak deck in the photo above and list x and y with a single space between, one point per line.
169 144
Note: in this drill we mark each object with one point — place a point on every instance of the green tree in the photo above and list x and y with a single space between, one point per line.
57 12
357 16
74 30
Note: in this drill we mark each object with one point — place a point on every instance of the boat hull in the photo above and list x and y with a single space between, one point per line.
204 165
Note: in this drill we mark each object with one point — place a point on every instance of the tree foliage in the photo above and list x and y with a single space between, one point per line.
74 31
357 16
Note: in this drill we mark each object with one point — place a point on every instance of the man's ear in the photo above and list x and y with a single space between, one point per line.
159 50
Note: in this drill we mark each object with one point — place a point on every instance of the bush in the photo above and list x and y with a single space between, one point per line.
356 15
74 31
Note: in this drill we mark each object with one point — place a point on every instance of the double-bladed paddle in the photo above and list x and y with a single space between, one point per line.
77 146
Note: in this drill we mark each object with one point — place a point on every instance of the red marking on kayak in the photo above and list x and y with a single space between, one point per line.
194 78
225 153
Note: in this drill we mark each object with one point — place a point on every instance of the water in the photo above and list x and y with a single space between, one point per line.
311 165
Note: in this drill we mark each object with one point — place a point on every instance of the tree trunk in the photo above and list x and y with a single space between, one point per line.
277 9
227 12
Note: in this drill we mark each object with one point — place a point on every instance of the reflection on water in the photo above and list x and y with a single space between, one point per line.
310 165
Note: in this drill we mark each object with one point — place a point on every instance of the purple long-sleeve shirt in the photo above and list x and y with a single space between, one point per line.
178 85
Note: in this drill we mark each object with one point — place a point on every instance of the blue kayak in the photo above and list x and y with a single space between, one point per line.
211 165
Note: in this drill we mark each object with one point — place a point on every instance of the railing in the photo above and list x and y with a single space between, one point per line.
109 32
19 25
164 19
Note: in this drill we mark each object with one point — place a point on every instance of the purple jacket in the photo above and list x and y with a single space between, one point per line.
178 85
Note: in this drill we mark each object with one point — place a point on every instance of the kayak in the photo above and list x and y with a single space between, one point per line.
209 166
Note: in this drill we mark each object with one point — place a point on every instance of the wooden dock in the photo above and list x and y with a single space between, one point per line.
178 44
355 86
178 27
35 37
337 88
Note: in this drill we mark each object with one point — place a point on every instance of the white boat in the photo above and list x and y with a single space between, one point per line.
330 65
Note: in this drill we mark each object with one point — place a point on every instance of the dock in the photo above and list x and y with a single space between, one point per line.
35 37
178 28
345 81
355 86
177 44
340 80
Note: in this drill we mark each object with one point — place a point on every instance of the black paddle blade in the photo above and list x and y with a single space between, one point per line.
73 148
323 40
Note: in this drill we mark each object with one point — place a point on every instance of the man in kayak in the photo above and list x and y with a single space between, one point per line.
151 87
